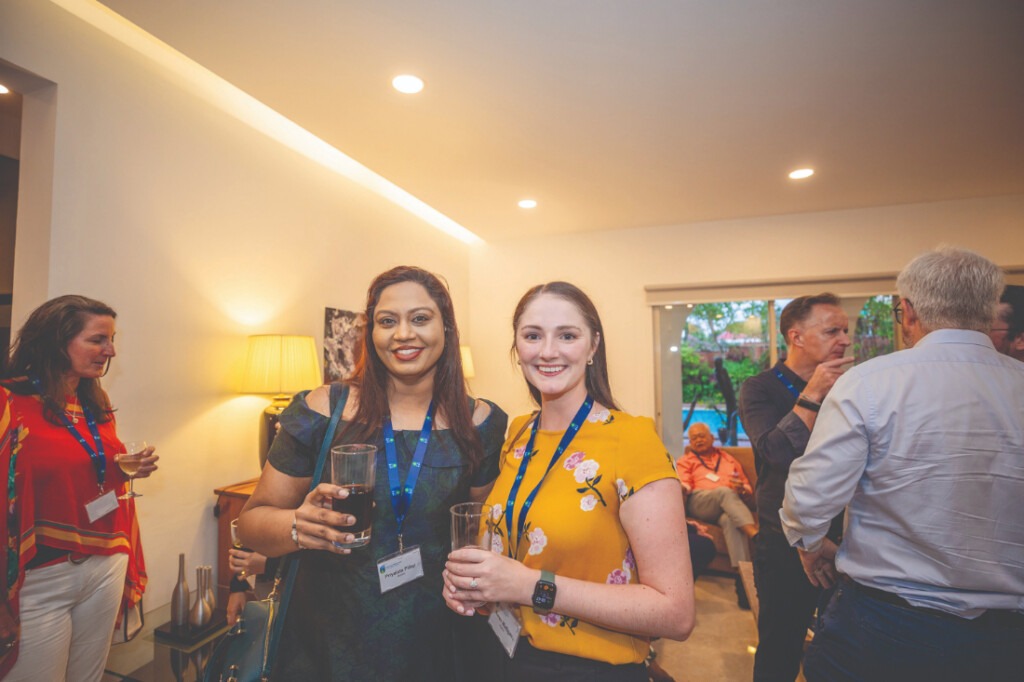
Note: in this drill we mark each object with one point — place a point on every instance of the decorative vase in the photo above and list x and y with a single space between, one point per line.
201 612
211 594
180 597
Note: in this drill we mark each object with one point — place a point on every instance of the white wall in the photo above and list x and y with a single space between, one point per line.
613 267
198 231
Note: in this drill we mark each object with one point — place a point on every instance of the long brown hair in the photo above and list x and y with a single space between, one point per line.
41 350
371 376
597 373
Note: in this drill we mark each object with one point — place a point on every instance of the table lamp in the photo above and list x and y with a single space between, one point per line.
281 365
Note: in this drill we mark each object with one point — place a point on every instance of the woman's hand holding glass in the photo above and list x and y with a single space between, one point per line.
244 562
136 460
475 577
318 526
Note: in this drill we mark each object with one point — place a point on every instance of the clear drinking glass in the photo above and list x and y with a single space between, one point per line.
354 468
472 525
236 542
129 460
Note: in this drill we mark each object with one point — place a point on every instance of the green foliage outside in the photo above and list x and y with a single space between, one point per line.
707 329
875 329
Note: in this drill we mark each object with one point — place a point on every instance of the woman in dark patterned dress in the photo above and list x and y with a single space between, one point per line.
339 624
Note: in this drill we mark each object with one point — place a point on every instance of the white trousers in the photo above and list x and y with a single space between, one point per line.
67 620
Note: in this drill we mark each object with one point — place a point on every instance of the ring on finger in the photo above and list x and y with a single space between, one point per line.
473 583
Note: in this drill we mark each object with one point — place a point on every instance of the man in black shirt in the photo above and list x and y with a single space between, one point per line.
1007 333
778 408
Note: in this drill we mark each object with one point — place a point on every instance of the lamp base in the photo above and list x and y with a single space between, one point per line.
269 424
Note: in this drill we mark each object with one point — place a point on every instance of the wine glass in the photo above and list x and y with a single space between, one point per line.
130 460
236 542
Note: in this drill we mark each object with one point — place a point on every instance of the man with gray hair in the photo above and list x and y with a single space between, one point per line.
927 447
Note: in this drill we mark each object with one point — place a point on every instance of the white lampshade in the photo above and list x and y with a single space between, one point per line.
278 363
467 362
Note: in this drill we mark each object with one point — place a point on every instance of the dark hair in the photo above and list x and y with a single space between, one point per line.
799 309
371 377
1013 295
41 350
597 373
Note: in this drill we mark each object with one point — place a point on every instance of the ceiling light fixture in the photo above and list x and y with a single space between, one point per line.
527 203
4 90
801 173
408 84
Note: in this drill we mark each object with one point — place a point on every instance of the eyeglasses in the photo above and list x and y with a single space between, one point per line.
897 311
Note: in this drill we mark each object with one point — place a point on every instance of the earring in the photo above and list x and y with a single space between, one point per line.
590 361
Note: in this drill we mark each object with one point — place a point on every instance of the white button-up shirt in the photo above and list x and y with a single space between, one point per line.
927 448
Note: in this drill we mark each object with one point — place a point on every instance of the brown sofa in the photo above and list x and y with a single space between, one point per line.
745 456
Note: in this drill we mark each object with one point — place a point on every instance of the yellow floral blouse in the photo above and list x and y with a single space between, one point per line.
573 527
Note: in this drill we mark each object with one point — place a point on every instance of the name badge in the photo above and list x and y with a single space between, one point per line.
712 477
400 568
504 620
101 506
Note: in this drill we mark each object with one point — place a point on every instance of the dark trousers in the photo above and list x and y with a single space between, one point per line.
702 551
861 637
535 665
787 602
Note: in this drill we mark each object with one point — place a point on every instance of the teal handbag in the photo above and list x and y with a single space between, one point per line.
246 654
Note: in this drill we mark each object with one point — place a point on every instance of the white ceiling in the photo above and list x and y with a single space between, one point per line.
618 113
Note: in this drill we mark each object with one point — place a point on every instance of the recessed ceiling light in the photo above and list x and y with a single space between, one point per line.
668 307
689 305
801 173
408 84
4 90
527 203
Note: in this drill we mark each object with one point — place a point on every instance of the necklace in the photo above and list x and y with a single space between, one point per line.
73 413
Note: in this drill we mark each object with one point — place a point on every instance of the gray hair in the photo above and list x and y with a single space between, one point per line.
952 288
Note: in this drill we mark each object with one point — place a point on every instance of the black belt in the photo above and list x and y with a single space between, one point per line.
991 617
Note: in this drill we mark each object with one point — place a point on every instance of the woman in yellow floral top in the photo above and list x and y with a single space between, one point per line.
586 493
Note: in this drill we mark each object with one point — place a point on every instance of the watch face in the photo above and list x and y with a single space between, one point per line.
544 596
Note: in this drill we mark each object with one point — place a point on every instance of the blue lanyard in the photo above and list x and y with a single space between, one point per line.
98 456
510 504
401 495
786 382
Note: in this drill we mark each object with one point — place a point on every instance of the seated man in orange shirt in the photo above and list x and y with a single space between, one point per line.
716 490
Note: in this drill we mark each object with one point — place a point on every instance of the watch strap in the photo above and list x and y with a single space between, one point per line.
807 403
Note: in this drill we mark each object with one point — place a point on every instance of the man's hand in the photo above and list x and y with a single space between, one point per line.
820 566
825 376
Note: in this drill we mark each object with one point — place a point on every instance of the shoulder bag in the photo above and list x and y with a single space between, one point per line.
246 654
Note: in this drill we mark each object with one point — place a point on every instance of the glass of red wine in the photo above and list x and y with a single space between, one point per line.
354 468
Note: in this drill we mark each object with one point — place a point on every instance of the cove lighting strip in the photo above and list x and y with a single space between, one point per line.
246 108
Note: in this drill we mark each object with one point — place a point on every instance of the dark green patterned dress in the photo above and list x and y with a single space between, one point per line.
338 625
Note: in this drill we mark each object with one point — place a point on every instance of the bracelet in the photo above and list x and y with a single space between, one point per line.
807 403
295 530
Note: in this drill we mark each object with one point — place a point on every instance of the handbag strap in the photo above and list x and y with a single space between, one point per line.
289 566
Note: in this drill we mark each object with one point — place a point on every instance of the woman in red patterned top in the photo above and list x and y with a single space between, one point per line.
79 545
